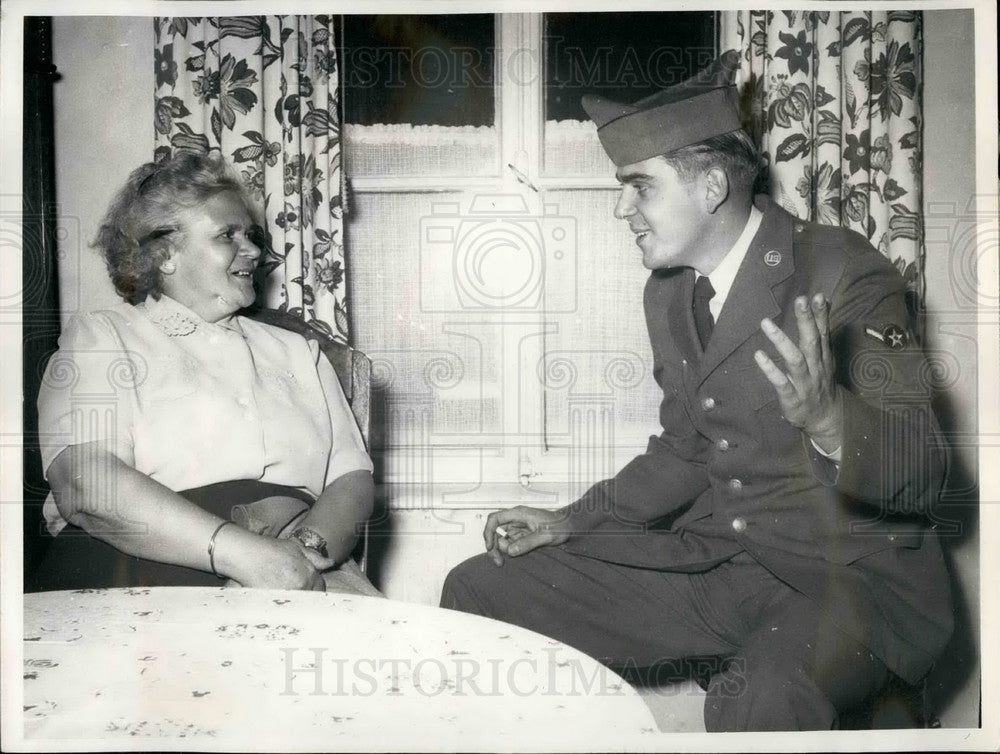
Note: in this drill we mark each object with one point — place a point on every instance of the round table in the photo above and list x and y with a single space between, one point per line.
267 669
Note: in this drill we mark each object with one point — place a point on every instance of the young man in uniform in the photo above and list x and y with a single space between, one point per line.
799 462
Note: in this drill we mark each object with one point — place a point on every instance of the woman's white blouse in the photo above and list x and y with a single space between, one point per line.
191 403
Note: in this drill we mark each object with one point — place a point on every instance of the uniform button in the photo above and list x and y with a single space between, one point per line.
799 228
708 404
735 485
722 444
684 362
739 525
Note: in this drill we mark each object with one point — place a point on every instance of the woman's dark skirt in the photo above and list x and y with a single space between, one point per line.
76 560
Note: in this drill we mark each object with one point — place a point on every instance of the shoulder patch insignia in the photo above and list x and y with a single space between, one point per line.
893 336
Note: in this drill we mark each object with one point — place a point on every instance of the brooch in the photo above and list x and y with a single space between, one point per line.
175 325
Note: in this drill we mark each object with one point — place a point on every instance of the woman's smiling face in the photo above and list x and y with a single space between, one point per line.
211 269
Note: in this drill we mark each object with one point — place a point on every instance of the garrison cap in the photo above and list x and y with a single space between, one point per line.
696 109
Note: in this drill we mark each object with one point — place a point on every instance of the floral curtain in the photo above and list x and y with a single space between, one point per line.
264 90
835 101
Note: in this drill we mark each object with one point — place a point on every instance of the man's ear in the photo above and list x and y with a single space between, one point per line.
716 187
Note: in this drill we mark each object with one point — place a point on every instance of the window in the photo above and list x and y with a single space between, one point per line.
420 96
624 56
420 70
500 301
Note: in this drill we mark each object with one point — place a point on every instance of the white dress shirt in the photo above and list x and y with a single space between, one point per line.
724 275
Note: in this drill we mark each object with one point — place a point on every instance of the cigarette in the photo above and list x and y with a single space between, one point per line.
501 532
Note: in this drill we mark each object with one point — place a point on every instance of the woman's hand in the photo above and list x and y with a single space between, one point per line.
117 504
254 560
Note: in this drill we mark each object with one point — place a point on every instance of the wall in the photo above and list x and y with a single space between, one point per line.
104 129
949 187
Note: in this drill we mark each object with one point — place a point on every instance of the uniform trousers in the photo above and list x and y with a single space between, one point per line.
787 665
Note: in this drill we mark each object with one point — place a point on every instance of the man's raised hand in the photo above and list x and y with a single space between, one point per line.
810 398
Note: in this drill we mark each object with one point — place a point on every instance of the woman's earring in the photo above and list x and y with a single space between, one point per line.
167 268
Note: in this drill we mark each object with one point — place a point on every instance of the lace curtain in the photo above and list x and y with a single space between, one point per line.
835 100
264 90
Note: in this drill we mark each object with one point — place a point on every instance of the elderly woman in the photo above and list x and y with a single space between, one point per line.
166 416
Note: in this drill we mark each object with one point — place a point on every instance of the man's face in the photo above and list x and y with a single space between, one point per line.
664 212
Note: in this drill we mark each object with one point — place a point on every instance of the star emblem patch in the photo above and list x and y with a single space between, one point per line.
893 336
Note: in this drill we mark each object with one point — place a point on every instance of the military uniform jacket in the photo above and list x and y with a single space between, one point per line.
729 474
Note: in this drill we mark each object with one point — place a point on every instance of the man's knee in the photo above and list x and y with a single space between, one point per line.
472 586
766 697
462 583
504 592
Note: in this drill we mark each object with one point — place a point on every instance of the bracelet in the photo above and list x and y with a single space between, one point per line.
211 547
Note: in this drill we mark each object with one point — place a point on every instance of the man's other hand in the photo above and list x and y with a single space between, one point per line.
521 529
810 398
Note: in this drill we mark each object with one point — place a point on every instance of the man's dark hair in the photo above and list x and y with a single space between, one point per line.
734 152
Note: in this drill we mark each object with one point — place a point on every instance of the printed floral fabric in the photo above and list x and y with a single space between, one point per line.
835 101
264 90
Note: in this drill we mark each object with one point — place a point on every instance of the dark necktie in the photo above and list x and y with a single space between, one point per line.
703 321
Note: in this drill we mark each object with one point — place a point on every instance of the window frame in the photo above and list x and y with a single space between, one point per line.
525 467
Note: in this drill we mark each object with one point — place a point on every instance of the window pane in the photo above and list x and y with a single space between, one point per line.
422 70
419 96
601 402
625 56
